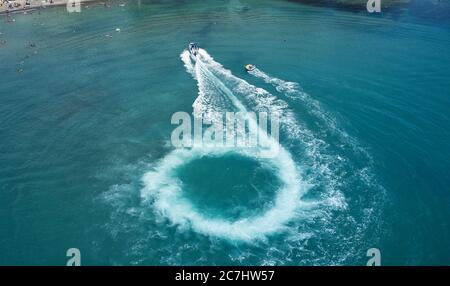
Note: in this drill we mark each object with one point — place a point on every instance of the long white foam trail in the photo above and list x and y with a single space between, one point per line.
288 87
294 91
186 59
344 141
313 149
163 186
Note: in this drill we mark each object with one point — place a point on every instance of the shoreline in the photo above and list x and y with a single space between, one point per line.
342 4
21 5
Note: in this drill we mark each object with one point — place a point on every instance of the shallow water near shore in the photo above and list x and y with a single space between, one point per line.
85 129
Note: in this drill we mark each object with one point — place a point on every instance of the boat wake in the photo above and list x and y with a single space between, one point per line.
162 185
294 91
309 218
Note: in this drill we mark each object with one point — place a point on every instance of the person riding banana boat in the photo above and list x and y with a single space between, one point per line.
249 67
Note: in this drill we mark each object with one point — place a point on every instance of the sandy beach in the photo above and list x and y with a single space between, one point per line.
23 5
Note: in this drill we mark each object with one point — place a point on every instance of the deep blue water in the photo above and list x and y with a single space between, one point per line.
86 160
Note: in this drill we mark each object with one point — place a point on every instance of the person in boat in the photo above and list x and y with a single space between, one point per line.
193 49
249 67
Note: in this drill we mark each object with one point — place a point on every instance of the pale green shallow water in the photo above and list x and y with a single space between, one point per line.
85 128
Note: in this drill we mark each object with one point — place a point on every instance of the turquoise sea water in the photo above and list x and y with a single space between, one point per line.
85 129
